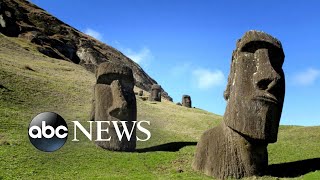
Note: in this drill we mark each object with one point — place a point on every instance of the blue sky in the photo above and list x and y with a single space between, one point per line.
186 46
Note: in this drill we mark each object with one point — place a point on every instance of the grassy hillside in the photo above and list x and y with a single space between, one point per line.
31 83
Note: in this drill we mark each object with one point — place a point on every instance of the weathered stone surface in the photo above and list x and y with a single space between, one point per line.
186 101
52 37
222 153
155 94
114 100
255 93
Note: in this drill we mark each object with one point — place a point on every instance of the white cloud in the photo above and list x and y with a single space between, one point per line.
180 70
143 56
93 33
206 79
307 77
140 56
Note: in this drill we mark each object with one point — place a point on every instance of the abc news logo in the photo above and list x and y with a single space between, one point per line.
48 131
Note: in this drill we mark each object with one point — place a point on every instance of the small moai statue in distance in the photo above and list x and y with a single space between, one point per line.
186 101
255 93
114 100
140 93
155 94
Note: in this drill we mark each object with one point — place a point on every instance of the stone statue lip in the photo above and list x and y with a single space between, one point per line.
266 97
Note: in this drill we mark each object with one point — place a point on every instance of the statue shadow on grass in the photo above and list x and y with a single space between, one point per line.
294 169
168 147
289 169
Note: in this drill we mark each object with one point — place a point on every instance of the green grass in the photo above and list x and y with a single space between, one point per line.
35 83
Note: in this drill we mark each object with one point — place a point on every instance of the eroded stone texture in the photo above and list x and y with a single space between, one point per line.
186 101
114 100
255 93
155 94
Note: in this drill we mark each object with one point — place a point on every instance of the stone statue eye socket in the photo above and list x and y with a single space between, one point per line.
127 94
276 57
255 45
276 54
109 78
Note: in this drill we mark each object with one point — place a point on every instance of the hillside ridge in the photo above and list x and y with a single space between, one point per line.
56 39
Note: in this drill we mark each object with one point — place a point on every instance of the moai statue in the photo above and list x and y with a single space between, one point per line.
186 101
114 100
140 93
255 93
155 94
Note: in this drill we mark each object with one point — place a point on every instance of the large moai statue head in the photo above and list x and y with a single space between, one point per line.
155 94
256 87
186 101
115 100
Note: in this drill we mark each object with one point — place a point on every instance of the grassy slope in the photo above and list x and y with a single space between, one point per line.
35 83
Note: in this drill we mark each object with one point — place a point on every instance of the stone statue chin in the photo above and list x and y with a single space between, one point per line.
255 93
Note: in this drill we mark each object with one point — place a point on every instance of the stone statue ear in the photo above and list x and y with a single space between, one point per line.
226 93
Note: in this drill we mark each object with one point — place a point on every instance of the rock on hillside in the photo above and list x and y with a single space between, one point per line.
20 18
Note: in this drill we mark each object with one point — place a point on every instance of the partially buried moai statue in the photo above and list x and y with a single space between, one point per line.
114 100
186 101
255 93
140 93
155 94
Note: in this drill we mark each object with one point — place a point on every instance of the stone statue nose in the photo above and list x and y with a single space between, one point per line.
266 77
119 105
